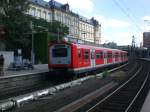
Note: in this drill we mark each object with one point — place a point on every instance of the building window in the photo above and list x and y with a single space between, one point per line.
44 14
49 16
33 10
39 13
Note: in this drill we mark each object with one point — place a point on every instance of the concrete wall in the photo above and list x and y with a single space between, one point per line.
9 57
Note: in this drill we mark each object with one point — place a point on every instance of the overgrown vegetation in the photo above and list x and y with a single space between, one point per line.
105 74
18 25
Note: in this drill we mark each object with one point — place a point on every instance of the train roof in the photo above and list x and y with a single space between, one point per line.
84 45
91 46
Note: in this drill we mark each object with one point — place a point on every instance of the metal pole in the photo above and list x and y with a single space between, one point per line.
32 47
58 35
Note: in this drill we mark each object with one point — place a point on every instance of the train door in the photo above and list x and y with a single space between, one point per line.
92 57
105 57
113 56
80 58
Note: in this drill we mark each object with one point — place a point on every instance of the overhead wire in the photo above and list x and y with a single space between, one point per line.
124 10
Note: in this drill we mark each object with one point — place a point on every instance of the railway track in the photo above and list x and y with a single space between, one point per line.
128 97
42 92
17 85
127 93
81 105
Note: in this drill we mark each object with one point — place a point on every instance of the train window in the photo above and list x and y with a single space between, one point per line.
121 55
59 52
99 55
116 55
59 46
79 53
109 55
86 55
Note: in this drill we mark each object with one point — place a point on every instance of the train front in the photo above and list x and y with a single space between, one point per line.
59 58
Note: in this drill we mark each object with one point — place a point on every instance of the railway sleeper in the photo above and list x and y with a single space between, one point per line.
111 109
123 105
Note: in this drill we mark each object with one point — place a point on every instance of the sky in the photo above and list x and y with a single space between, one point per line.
119 19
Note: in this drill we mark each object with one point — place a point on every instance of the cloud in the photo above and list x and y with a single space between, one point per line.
147 18
146 24
114 30
121 38
112 23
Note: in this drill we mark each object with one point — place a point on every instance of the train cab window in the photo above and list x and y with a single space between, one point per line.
59 52
99 55
86 55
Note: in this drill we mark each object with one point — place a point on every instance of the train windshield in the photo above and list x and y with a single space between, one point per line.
59 52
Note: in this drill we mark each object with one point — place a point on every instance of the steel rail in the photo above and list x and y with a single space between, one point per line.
124 84
138 93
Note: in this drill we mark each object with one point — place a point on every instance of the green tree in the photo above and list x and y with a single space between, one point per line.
15 21
53 26
110 45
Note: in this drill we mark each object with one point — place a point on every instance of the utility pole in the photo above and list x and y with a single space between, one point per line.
133 46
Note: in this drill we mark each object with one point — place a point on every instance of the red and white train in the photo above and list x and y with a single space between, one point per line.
78 58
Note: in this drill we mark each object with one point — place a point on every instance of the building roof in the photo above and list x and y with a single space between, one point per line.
40 3
91 21
64 7
57 4
48 4
84 19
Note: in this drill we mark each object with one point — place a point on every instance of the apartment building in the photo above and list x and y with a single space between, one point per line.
146 39
62 13
89 30
40 9
79 26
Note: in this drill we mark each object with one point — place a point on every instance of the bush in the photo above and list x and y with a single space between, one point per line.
105 74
